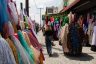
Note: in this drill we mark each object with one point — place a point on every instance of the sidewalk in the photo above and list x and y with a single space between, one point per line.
88 56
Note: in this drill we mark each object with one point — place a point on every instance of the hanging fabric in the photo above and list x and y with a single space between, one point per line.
23 56
3 13
6 55
13 12
14 50
25 45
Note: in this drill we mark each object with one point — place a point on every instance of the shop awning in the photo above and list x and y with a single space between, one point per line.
68 7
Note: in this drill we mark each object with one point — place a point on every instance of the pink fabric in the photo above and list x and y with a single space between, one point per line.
51 19
16 35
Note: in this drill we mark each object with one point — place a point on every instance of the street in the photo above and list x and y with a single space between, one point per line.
88 57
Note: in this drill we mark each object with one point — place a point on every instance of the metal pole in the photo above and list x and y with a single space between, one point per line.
27 6
21 5
40 17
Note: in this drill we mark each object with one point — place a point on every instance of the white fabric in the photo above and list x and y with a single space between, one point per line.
90 32
94 37
13 12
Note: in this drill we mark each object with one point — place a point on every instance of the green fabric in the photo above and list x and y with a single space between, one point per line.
26 46
65 3
20 59
65 20
26 22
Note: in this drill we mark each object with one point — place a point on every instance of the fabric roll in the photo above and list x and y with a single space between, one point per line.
10 29
14 50
4 13
25 45
36 52
34 41
13 12
24 58
6 55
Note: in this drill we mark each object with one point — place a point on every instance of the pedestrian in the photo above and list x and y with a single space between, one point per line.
48 38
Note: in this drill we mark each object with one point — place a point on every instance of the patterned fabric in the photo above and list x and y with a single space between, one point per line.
6 55
14 50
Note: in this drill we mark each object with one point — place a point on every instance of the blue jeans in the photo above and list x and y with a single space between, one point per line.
48 44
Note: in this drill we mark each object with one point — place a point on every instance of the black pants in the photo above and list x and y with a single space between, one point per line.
48 44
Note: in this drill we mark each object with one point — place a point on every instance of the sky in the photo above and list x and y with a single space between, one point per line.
34 5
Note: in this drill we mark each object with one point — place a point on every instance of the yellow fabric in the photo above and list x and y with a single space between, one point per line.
13 50
22 25
41 58
26 38
15 28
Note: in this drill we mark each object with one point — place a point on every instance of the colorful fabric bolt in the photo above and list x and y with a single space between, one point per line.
14 50
6 55
25 45
4 13
23 55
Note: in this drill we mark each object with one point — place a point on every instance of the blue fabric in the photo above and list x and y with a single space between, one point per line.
6 55
74 35
3 13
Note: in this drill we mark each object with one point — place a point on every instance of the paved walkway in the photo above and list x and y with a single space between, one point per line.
88 56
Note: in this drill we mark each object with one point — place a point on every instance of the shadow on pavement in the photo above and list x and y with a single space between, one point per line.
55 54
44 46
82 57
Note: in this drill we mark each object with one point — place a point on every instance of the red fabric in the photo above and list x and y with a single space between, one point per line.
46 21
34 41
51 19
16 35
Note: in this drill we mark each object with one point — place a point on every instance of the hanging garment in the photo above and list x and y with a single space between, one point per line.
93 47
64 39
13 12
52 19
24 58
94 36
35 51
25 45
90 32
26 22
6 55
34 41
75 38
65 20
14 50
3 14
